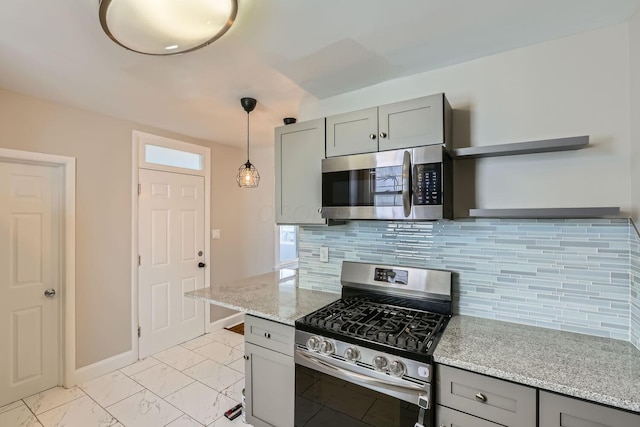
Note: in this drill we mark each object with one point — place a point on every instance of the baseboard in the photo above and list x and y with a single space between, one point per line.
226 322
103 367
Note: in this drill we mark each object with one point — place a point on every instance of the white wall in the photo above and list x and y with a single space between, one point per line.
102 147
634 59
577 85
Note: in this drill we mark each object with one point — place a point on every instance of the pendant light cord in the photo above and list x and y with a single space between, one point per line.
248 137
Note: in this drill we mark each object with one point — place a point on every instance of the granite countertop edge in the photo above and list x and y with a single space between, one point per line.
539 383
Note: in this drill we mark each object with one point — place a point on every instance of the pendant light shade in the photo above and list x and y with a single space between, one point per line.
248 176
166 27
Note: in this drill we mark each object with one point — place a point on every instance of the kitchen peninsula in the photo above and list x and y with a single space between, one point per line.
274 296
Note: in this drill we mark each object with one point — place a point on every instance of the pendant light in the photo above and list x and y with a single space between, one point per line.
166 27
248 176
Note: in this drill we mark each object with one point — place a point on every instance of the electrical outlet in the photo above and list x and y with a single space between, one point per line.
324 254
215 234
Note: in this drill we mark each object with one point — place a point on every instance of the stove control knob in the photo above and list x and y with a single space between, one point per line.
397 369
313 343
352 354
380 363
326 347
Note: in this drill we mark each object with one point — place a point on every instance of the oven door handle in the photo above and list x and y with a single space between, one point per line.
363 378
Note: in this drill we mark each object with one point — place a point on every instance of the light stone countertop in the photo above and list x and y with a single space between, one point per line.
597 369
268 296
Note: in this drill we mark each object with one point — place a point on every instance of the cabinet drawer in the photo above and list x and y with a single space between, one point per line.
500 401
446 417
563 411
269 334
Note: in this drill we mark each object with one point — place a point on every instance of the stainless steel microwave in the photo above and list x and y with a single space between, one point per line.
411 184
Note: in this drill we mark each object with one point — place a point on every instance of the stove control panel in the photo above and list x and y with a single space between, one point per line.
389 275
338 352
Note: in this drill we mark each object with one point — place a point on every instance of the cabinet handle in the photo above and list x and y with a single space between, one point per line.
246 357
372 136
383 135
267 335
481 397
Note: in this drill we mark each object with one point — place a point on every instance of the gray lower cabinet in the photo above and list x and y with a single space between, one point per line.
447 417
562 411
269 373
501 402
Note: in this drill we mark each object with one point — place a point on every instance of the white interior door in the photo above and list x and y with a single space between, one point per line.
171 242
30 218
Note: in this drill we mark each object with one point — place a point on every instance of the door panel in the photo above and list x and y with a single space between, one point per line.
30 217
412 123
171 226
352 133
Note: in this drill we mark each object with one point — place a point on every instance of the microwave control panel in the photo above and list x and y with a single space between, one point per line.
427 184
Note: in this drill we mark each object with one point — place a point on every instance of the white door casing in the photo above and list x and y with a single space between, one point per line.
30 254
171 246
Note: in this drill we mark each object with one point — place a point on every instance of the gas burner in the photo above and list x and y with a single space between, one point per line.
399 327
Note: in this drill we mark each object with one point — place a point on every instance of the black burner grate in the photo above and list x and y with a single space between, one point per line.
398 327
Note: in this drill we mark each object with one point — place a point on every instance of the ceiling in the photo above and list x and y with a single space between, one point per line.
280 52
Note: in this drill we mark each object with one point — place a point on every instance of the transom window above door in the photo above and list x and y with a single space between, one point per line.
170 157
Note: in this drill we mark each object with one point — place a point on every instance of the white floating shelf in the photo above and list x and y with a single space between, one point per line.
517 148
587 212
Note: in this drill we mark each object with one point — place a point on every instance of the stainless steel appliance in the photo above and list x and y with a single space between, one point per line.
411 184
366 359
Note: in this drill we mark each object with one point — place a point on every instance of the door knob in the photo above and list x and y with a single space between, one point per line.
202 265
50 293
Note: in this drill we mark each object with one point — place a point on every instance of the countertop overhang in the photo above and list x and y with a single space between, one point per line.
275 296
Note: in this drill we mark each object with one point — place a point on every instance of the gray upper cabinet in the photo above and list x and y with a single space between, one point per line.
562 411
352 133
412 123
421 121
299 150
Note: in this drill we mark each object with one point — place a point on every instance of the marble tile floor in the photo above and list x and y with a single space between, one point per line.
189 385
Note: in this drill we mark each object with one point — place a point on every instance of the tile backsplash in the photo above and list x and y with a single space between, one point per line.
634 291
575 275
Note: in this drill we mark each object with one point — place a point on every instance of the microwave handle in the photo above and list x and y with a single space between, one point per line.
406 183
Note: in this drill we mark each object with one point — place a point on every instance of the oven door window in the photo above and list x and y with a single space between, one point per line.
381 186
322 400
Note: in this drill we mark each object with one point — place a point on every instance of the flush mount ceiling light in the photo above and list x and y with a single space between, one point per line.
166 27
248 176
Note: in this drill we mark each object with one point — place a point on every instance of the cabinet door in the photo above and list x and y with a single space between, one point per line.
562 411
446 417
270 387
503 402
299 150
412 123
352 133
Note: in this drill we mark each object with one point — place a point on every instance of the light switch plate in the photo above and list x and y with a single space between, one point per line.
215 234
324 254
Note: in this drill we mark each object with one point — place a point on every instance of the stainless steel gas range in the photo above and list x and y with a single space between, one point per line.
366 359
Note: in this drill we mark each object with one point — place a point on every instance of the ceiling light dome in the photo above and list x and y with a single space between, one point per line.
166 27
